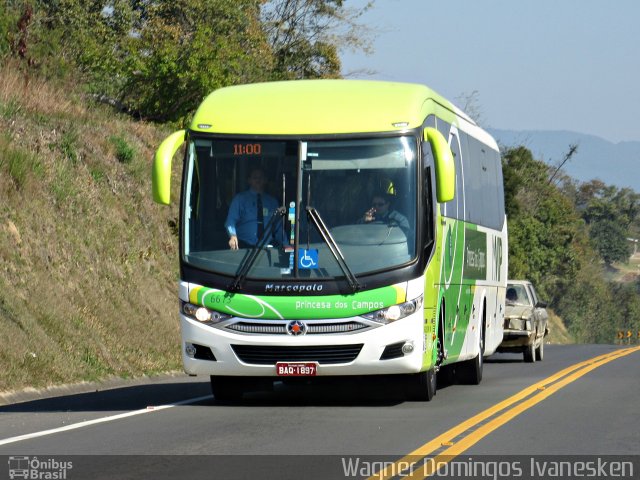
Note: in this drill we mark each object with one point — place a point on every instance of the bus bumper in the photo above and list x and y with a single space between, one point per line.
222 352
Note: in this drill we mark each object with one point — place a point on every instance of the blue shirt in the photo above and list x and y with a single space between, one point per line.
242 219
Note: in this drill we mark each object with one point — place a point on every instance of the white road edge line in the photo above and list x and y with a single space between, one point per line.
111 418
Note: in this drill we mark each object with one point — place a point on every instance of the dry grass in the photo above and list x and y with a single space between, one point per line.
87 262
558 333
34 95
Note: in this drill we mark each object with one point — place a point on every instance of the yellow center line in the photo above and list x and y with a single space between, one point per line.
545 389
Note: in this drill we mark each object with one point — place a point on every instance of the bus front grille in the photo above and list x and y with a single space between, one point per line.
324 355
280 328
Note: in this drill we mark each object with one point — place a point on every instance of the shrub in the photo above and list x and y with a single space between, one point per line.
124 151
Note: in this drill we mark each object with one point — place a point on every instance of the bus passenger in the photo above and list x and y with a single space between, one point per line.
381 212
249 212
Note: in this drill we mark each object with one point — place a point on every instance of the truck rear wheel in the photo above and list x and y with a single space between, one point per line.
530 352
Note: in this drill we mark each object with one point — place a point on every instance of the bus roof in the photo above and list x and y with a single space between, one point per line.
317 107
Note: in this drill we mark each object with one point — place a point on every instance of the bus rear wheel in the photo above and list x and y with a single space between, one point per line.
421 387
469 372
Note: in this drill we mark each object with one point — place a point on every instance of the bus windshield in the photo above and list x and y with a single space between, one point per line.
363 192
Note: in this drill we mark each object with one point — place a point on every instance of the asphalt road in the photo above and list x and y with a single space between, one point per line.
175 428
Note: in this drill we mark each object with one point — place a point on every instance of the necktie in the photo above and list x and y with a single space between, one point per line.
260 217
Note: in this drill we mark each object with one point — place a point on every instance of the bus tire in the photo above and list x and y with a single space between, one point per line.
227 389
421 387
469 372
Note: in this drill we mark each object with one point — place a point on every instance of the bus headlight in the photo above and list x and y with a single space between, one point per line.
395 312
203 314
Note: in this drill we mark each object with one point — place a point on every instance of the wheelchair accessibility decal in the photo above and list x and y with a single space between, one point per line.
308 259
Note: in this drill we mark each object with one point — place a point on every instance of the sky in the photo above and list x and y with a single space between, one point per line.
535 64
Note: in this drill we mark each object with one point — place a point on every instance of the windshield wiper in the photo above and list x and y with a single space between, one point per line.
249 260
316 219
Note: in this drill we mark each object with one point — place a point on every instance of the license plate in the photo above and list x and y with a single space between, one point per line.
303 369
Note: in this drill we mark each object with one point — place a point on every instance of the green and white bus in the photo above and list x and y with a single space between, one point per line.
325 291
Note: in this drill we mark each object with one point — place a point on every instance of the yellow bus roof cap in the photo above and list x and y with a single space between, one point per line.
314 107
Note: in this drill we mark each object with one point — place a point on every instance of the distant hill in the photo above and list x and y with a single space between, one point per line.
614 163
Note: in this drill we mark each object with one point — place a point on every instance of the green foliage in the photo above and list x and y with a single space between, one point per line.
610 239
124 152
627 297
10 13
27 36
10 109
7 22
158 59
63 187
186 50
68 145
612 215
18 163
18 166
588 307
545 231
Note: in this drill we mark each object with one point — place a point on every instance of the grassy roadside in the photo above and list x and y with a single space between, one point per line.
558 333
87 262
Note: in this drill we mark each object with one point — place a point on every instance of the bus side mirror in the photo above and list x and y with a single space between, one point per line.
445 167
161 173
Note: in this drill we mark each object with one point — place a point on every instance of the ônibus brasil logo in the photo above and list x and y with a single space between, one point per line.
34 468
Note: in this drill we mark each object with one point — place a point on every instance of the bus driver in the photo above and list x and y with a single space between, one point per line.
249 212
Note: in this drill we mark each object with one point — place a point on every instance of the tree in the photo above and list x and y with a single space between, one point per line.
546 235
184 50
22 37
470 104
610 239
306 36
627 299
157 59
573 148
612 216
588 306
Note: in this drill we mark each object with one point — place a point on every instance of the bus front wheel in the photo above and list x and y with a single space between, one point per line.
421 387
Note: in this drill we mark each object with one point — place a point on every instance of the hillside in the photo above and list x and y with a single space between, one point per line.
625 272
88 264
596 157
